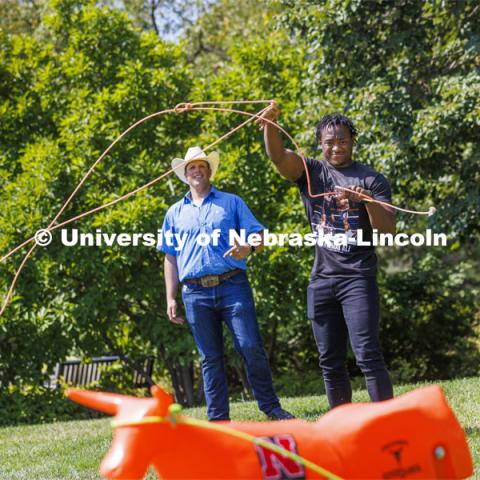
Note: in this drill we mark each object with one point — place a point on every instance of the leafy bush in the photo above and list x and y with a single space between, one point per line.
429 317
29 405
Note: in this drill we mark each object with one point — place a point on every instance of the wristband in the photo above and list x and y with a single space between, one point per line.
252 248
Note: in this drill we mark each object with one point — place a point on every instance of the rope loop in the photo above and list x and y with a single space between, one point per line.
181 107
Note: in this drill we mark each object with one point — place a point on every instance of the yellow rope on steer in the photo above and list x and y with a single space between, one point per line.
175 417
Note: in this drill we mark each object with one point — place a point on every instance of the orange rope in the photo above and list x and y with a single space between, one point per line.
180 108
50 228
368 199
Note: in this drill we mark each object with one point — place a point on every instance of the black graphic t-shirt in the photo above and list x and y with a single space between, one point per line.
336 221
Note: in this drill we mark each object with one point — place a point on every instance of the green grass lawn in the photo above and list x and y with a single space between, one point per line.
73 450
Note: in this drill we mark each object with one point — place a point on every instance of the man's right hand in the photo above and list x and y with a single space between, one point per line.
271 113
172 312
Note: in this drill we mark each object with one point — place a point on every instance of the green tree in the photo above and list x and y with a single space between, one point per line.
18 16
406 72
63 101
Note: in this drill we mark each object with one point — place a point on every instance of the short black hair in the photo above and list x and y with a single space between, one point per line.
332 120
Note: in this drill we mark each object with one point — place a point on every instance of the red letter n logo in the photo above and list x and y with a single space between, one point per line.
274 465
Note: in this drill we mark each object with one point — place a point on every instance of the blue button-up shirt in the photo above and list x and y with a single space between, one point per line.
187 226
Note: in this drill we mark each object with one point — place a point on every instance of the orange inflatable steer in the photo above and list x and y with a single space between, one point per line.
413 436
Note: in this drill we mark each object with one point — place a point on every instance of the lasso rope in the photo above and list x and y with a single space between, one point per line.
180 108
175 418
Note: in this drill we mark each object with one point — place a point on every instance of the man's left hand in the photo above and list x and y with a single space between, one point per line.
238 252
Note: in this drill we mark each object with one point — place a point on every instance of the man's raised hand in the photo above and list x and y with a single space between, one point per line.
271 113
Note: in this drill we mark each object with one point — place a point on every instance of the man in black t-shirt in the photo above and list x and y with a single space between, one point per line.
342 298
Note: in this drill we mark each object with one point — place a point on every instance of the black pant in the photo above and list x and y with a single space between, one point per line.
341 308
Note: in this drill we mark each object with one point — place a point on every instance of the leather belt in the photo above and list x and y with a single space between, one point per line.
213 280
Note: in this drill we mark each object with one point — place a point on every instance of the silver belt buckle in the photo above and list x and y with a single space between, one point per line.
210 280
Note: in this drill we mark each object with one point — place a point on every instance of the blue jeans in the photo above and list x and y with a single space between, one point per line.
342 308
206 309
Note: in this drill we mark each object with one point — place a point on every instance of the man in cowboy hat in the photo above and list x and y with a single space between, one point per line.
215 288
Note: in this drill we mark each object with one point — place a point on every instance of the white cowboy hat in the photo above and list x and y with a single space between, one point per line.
195 153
